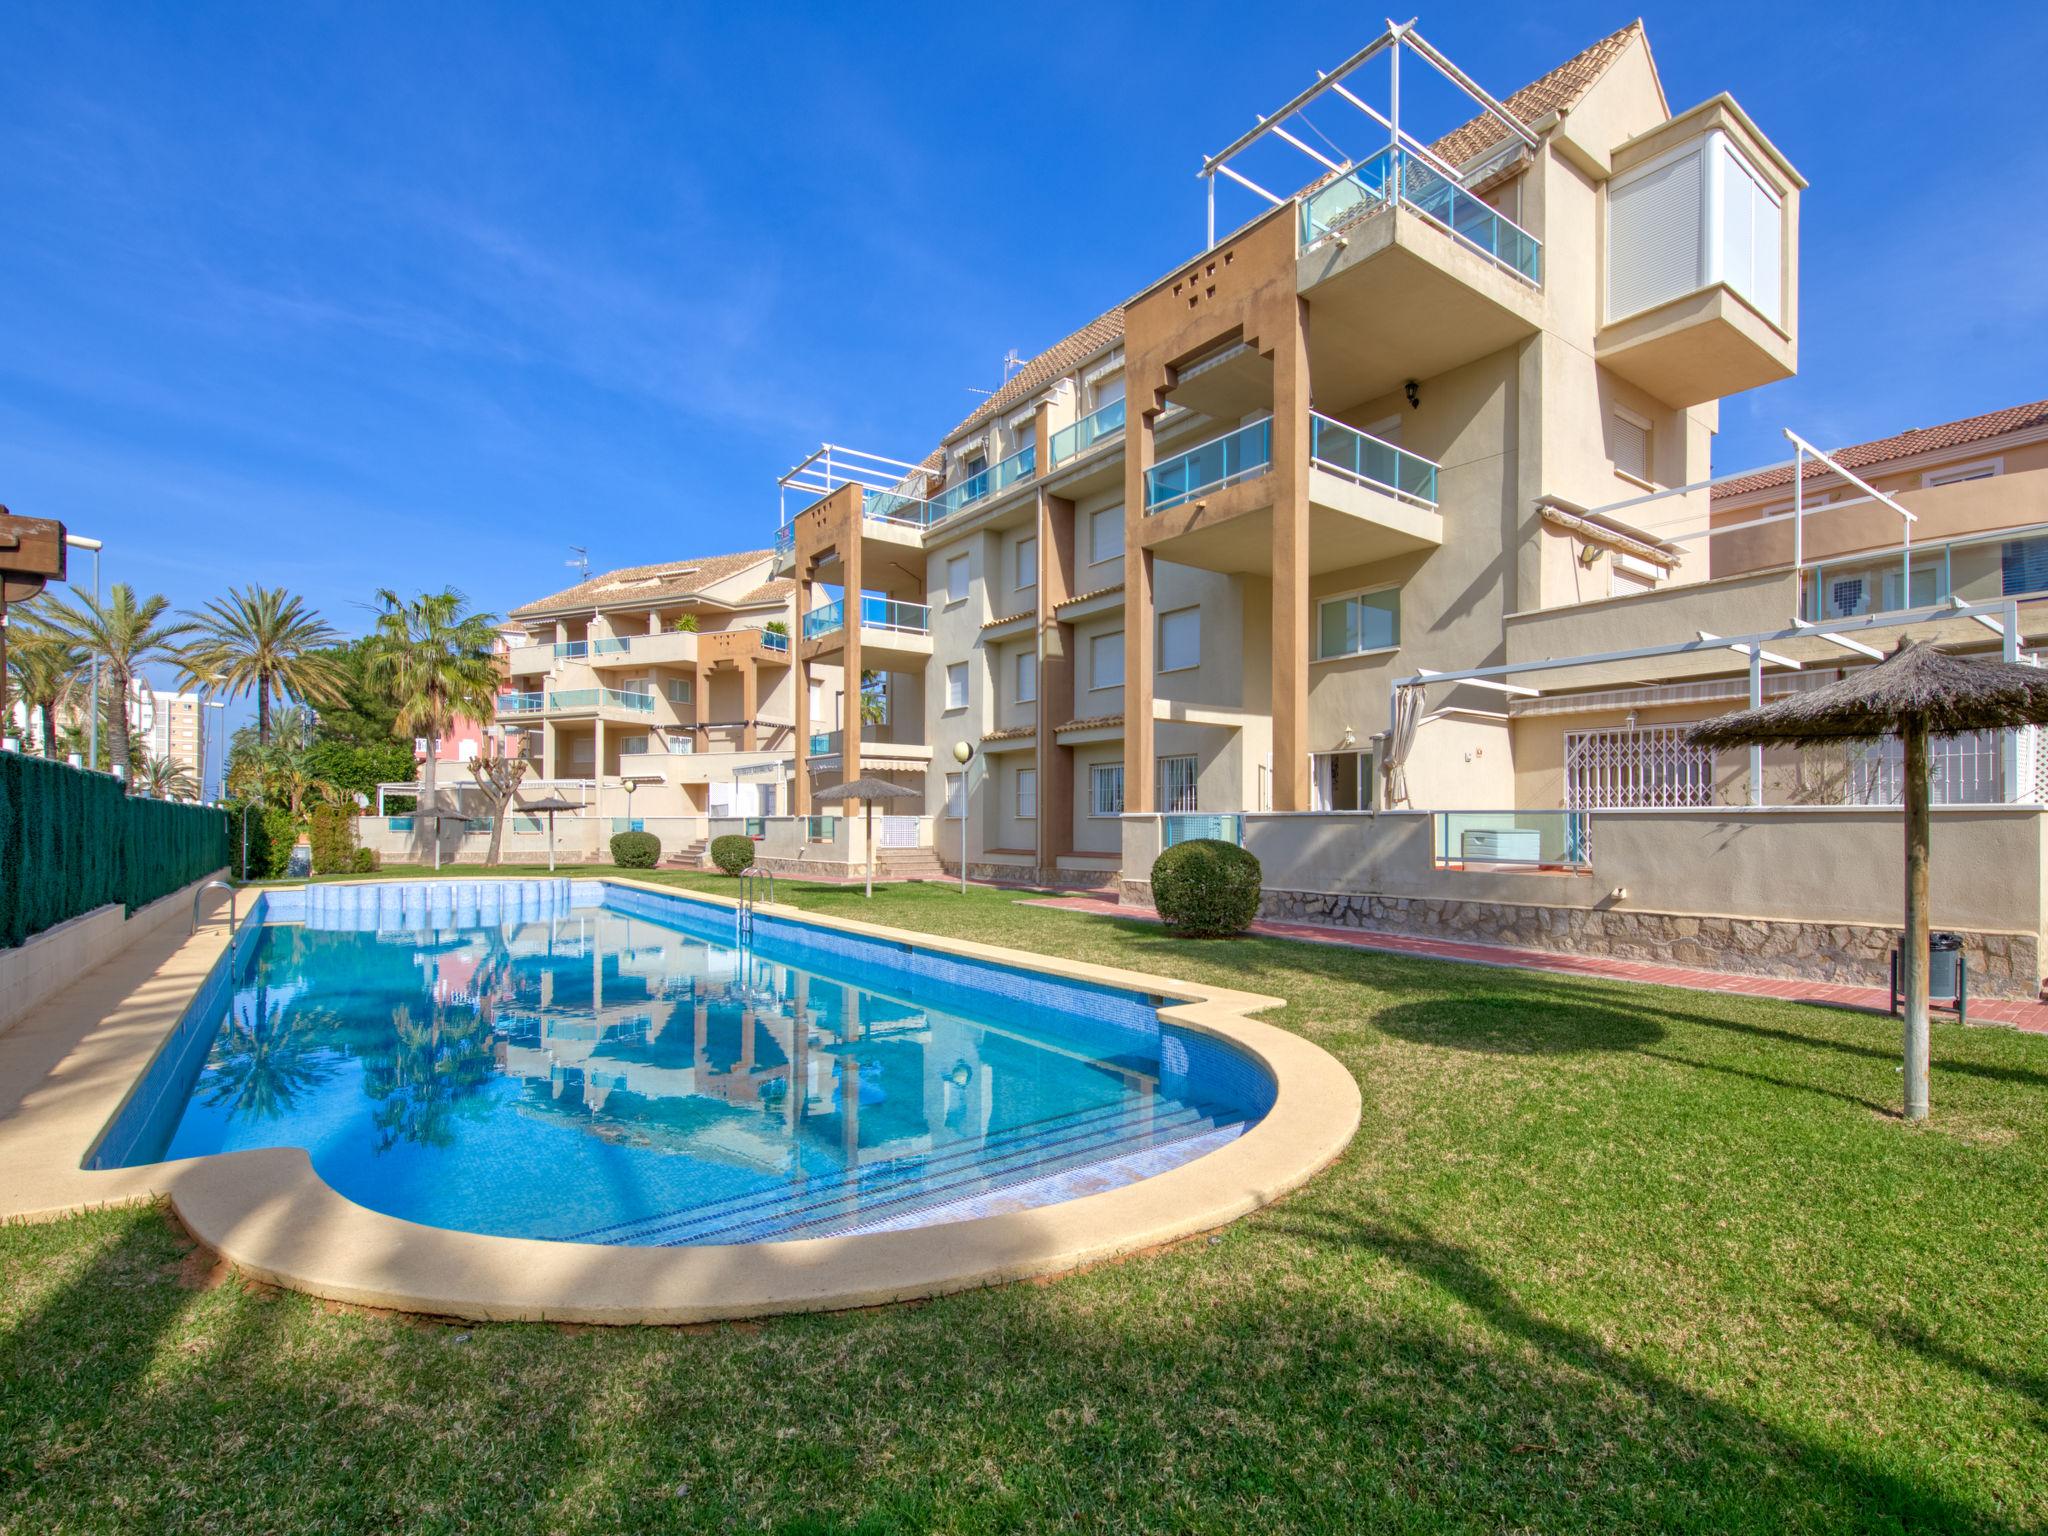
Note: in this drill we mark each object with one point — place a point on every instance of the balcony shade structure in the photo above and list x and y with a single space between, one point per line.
1915 693
868 791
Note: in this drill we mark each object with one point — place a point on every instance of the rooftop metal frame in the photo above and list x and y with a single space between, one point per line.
1399 37
831 465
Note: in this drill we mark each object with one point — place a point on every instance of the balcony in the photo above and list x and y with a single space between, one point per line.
527 660
1221 461
1408 275
992 481
1368 500
1400 176
892 633
579 701
521 703
1071 442
877 746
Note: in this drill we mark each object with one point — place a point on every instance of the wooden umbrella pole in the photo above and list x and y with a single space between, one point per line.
1913 959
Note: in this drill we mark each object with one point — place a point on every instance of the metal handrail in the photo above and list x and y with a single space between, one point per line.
743 920
233 919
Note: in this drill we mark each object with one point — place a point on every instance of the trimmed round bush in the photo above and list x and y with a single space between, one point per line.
732 853
368 861
636 850
1205 888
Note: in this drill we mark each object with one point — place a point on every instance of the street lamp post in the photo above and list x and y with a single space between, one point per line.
963 754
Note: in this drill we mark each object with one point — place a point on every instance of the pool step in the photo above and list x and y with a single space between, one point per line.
877 1191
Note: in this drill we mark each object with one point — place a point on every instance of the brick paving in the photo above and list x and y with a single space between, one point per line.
2031 1017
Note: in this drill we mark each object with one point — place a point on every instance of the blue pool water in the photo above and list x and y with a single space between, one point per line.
571 1060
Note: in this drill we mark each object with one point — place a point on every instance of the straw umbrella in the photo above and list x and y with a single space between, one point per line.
869 791
550 804
1914 693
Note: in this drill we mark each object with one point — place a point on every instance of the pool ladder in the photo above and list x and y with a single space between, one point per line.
215 885
744 919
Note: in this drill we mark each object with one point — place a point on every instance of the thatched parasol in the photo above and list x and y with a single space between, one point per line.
1914 693
868 790
549 804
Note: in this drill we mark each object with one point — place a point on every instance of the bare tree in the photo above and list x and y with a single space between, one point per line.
497 780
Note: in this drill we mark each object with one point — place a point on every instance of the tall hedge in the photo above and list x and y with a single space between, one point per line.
71 841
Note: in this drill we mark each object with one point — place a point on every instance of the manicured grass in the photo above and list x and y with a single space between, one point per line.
1601 1258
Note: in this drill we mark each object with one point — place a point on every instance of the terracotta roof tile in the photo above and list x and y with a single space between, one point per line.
645 583
1091 723
1013 618
1011 733
1089 597
769 591
1557 91
1902 445
1062 357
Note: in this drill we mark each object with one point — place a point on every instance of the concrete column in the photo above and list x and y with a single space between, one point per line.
1290 567
800 680
597 759
1056 555
749 702
850 699
1139 606
548 749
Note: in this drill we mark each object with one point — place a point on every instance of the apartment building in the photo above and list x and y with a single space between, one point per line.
1382 536
661 691
1179 560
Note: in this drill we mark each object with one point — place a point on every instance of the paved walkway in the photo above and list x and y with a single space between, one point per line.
2031 1017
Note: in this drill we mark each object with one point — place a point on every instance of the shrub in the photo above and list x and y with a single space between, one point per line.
636 850
1204 888
333 835
686 625
271 835
732 853
368 861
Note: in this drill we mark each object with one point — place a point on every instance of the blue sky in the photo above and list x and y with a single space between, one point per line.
343 297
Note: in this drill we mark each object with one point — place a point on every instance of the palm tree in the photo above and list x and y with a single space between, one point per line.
126 635
44 667
436 664
266 639
161 778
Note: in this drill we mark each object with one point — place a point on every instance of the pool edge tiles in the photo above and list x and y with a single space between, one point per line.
269 1213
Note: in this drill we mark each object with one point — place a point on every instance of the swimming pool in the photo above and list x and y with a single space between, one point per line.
581 1061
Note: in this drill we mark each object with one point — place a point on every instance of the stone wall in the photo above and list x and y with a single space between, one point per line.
1855 954
1034 875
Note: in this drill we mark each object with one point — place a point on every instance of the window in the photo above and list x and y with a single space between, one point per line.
1108 391
976 463
1106 661
1703 214
1359 621
1177 784
1027 562
1180 639
956 685
1628 443
1027 677
1752 234
956 795
2023 565
767 799
679 690
1106 536
1957 473
1027 794
633 746
956 579
1341 781
817 709
1106 789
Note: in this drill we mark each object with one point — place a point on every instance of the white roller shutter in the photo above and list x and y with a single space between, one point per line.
1654 227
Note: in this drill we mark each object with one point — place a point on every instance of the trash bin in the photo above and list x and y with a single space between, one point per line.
1948 978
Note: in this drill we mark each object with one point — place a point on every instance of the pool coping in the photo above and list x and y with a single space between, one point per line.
64 1073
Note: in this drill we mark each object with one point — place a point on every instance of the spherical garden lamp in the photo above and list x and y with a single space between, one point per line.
963 754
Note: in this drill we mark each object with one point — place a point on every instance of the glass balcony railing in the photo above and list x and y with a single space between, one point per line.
521 703
1401 174
875 613
1371 461
774 640
785 539
571 648
820 829
1530 839
825 743
592 698
622 698
1020 465
572 698
1071 442
1186 828
898 508
1210 466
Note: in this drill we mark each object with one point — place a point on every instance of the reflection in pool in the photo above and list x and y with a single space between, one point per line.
580 1061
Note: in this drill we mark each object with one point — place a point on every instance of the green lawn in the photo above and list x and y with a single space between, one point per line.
1601 1258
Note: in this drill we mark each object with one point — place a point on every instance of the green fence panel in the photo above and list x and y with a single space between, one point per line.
71 841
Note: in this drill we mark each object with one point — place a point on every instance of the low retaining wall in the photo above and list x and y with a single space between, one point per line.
48 962
1854 954
1034 874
